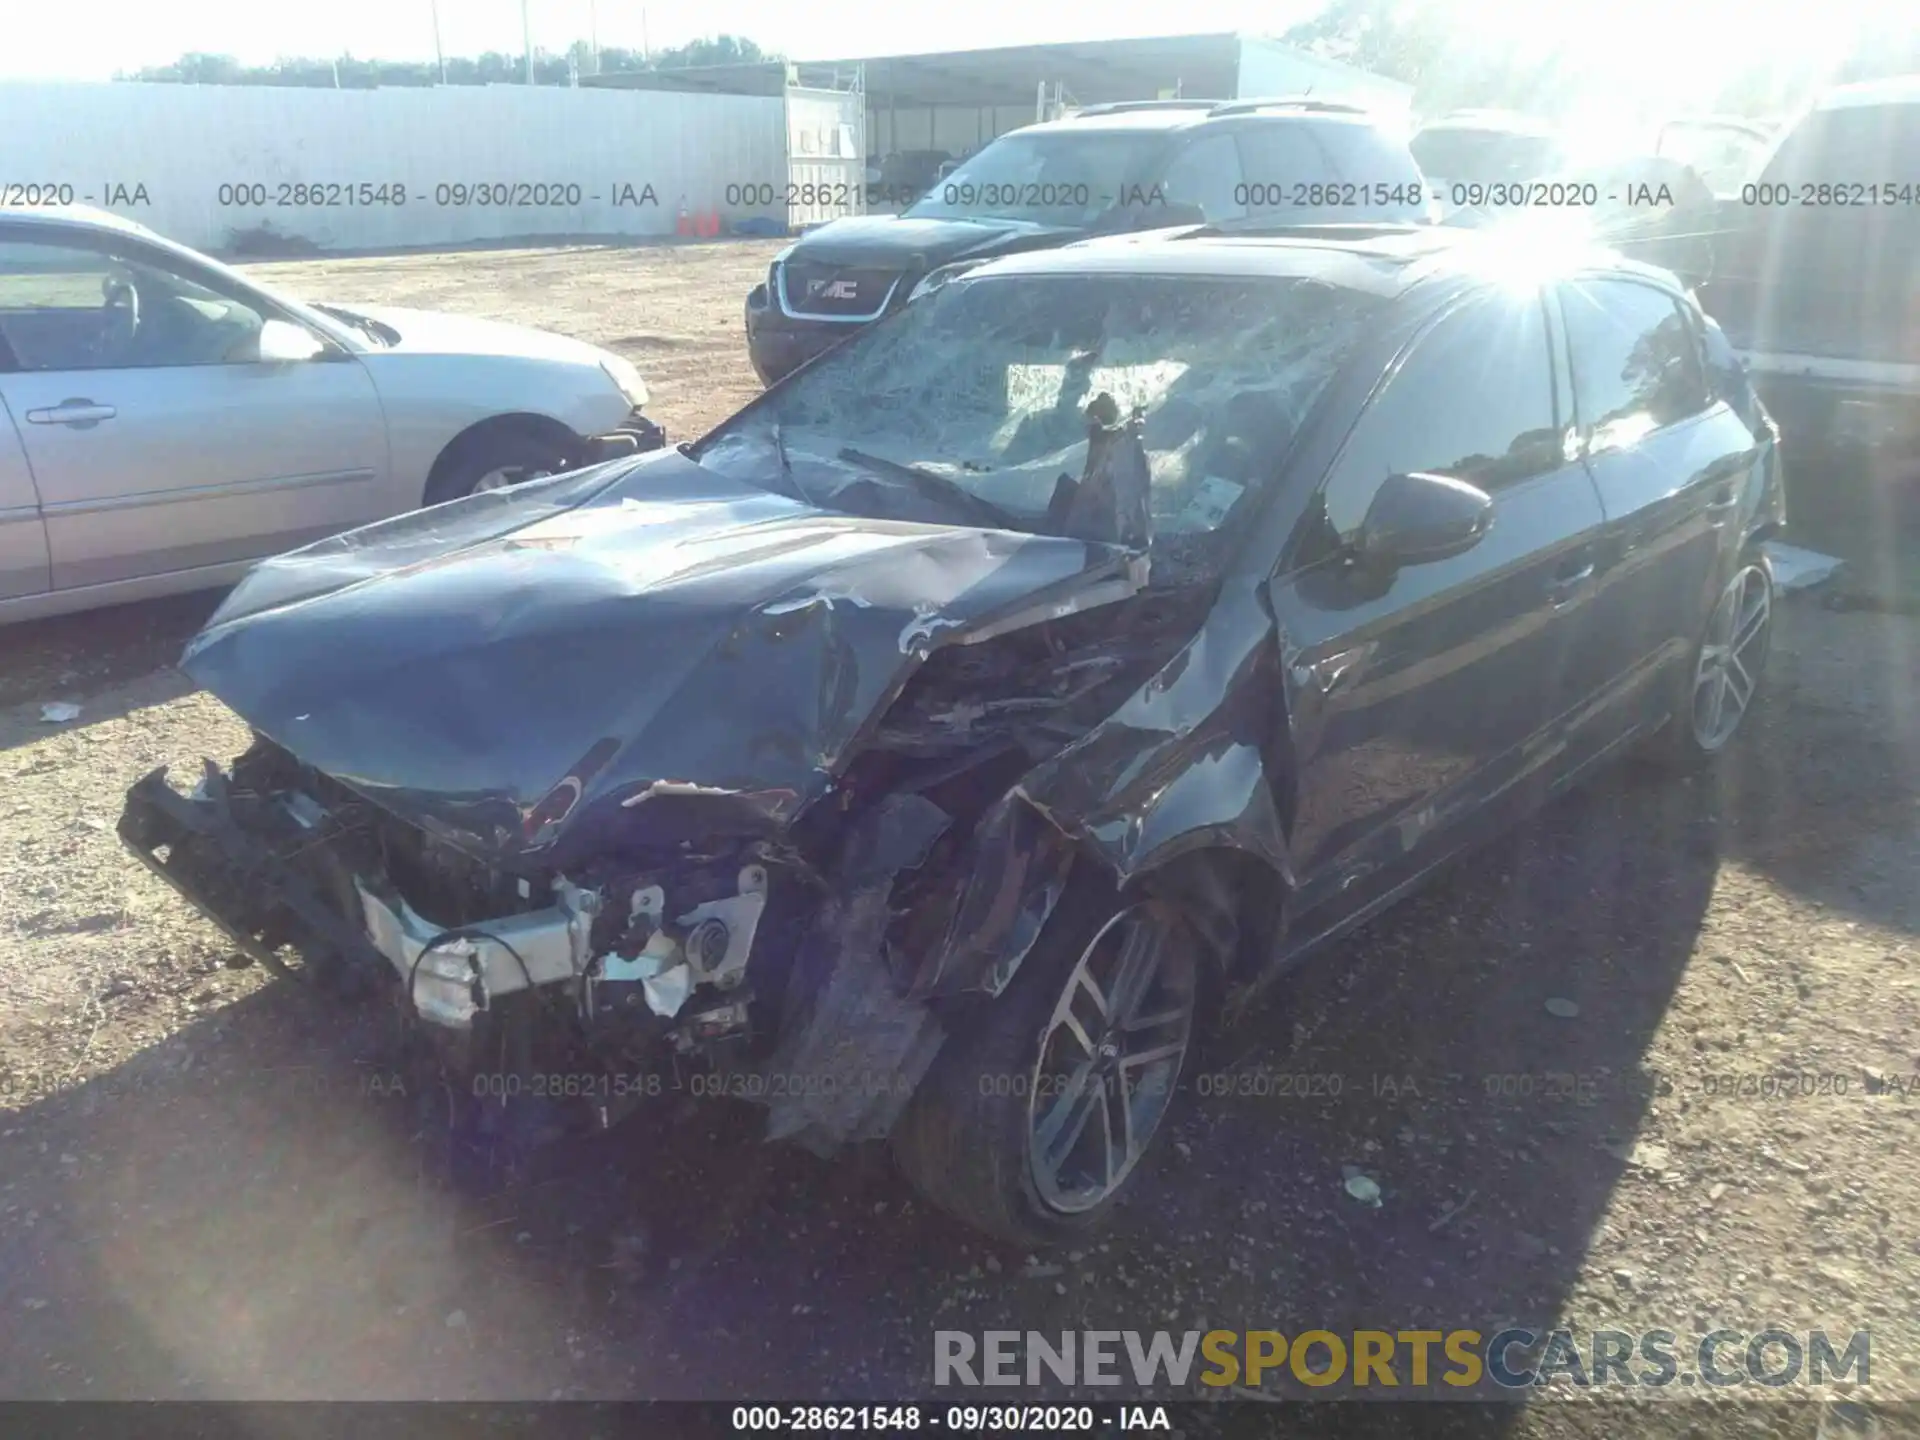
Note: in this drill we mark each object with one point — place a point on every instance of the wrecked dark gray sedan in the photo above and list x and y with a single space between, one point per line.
927 752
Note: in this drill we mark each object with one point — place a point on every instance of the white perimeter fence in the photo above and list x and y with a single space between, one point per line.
368 169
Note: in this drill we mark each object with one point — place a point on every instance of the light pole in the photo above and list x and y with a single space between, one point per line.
438 54
526 39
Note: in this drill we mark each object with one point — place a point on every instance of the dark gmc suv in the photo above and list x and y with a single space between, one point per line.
1138 165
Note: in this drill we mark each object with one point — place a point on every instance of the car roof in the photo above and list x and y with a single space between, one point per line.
1894 90
1383 260
1505 122
85 217
1713 121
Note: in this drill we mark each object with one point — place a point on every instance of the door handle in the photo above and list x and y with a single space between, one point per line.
77 412
1568 579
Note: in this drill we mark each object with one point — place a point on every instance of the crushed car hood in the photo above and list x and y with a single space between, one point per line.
574 661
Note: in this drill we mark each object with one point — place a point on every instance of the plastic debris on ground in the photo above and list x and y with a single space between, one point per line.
1795 568
1361 1187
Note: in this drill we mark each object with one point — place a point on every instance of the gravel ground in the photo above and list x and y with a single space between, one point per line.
210 1187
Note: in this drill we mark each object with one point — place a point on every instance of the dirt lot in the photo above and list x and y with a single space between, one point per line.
208 1188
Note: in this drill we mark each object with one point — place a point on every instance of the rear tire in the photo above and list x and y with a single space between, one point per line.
1019 1129
1725 678
493 459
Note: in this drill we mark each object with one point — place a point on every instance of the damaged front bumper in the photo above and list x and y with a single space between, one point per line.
636 435
258 869
668 970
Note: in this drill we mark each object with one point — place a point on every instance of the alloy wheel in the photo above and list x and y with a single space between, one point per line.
1731 657
1110 1056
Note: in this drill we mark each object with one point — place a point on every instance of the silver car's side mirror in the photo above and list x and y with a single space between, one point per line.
283 342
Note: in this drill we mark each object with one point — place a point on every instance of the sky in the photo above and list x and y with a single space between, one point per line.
90 39
1639 51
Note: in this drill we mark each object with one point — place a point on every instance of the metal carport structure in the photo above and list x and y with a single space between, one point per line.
957 100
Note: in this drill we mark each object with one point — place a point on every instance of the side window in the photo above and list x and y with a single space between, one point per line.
1207 174
55 305
69 307
1390 186
1636 362
1473 399
1278 157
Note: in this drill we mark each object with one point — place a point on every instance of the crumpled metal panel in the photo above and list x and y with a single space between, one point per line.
1182 764
541 671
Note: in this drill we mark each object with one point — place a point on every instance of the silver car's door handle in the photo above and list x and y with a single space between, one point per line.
72 412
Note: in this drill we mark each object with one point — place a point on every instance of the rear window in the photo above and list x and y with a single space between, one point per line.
1839 269
1473 155
1863 145
1383 178
1723 156
1057 178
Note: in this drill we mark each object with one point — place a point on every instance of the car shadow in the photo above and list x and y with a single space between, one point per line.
1818 795
1862 505
1478 1055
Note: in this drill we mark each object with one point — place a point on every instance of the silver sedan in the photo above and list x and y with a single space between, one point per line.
164 422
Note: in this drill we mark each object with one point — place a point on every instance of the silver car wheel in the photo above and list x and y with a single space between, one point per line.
1110 1056
1731 657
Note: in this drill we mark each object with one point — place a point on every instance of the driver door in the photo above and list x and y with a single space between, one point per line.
158 440
1432 703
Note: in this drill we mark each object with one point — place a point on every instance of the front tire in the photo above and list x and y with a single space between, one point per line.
495 459
1038 1113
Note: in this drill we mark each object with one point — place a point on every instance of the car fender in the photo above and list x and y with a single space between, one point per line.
1183 770
431 399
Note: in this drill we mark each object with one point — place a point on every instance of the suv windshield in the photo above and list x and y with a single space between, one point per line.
1723 155
973 403
1058 178
1471 154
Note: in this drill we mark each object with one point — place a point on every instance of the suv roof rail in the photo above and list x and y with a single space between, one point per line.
1125 107
1482 115
1257 229
1291 102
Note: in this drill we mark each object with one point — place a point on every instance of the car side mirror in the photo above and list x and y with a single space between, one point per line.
1418 518
283 342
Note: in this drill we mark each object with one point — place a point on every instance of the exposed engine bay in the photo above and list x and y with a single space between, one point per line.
801 967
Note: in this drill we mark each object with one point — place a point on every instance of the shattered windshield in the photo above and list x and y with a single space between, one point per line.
1125 408
1051 179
